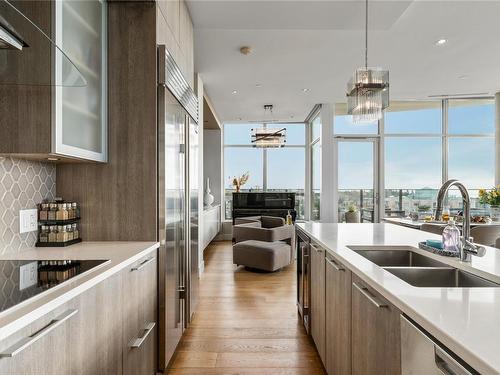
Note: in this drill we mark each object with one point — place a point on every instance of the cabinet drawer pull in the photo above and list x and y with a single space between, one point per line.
22 344
335 265
142 265
364 291
147 330
447 364
317 249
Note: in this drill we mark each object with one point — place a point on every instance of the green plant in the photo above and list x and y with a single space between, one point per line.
352 208
491 197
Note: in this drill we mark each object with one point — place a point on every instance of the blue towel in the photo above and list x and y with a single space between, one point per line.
435 243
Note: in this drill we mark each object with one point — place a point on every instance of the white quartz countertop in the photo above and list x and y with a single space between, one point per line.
119 254
466 320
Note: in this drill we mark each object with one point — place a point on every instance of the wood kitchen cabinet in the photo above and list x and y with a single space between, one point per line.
338 317
317 311
52 107
95 343
375 332
110 329
41 347
139 308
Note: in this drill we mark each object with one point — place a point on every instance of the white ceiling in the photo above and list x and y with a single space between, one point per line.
317 45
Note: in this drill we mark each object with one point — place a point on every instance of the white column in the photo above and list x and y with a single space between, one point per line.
329 199
308 182
497 138
201 184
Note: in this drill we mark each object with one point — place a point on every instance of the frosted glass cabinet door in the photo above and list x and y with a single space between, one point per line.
81 112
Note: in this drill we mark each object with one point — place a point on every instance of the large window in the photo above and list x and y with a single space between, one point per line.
423 144
280 169
415 164
315 170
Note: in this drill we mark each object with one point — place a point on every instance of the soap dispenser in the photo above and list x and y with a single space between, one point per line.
451 237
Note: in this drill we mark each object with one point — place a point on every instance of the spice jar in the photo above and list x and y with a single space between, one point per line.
69 230
43 211
71 212
62 213
44 234
76 232
76 209
61 233
52 213
53 233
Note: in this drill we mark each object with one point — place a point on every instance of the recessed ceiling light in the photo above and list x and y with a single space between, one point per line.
258 85
440 42
463 76
235 92
305 90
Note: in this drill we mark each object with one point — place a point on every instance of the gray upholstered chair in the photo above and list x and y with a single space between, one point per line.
486 235
264 243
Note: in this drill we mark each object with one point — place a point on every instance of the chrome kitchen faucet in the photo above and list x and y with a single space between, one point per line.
467 247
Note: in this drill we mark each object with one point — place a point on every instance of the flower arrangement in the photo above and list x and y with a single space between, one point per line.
491 197
238 182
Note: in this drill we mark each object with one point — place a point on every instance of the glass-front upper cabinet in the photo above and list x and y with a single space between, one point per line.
80 118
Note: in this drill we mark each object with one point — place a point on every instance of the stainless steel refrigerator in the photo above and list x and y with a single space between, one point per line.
178 205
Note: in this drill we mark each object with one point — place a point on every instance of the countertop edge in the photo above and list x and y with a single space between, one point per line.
471 358
74 291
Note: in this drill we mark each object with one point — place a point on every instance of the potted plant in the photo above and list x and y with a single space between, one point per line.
352 214
491 198
238 182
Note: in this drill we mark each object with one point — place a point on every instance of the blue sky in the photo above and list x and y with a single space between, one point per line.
410 162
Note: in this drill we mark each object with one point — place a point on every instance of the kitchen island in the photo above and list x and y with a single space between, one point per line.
464 320
102 321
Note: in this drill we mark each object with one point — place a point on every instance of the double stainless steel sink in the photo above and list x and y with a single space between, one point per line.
422 271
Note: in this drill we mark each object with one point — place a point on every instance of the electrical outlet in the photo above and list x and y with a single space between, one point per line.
28 221
28 275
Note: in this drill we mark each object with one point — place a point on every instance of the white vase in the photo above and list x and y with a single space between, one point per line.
208 198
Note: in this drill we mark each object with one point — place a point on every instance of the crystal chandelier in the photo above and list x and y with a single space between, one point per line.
368 89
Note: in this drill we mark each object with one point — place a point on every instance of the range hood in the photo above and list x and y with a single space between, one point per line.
27 52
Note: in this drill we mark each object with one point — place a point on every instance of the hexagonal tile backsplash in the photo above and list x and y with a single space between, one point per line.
23 184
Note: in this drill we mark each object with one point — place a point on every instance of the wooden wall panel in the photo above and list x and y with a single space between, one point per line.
25 110
119 198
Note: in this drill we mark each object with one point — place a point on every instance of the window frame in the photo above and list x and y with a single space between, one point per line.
444 135
265 158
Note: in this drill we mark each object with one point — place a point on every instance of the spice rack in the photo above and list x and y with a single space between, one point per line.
58 224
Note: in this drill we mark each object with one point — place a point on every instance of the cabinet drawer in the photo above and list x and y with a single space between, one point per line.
139 330
33 349
375 332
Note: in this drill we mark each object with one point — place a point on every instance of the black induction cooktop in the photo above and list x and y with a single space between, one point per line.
21 280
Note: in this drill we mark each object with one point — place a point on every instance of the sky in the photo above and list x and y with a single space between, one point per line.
411 162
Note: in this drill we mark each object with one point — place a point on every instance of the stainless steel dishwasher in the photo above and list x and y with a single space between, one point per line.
422 355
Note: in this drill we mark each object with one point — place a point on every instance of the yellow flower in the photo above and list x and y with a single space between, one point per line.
481 192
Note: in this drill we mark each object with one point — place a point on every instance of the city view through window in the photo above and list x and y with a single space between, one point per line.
417 148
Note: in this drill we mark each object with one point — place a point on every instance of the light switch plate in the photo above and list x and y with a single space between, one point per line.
28 221
28 275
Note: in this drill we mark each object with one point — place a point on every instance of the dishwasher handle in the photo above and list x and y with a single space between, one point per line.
447 364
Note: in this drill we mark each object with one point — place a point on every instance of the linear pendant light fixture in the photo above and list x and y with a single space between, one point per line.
267 137
368 89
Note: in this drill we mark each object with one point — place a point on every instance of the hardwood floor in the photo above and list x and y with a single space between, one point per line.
246 323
